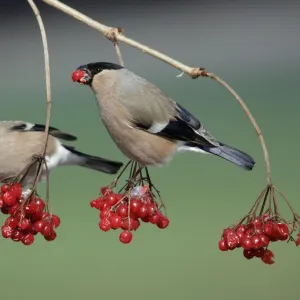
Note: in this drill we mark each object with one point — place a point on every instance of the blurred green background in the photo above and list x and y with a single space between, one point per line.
255 48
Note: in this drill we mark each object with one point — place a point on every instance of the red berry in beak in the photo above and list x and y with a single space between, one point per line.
77 75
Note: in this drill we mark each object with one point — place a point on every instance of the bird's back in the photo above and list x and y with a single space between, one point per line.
18 147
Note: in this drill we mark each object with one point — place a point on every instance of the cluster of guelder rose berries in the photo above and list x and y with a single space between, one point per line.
255 237
120 211
26 219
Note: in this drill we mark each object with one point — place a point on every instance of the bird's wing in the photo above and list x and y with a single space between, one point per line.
153 111
30 127
183 126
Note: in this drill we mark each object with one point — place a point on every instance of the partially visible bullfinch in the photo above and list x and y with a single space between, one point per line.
20 141
146 125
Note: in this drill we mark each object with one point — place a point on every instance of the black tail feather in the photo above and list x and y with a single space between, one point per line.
231 154
95 163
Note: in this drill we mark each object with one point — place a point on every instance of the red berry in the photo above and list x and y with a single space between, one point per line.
226 231
257 222
258 230
6 231
241 228
240 235
101 202
111 199
116 221
264 240
119 197
249 253
151 209
283 231
122 210
37 215
231 239
16 189
105 190
39 226
94 204
133 215
29 210
268 257
298 241
51 236
13 209
256 241
17 235
105 213
1 201
55 221
24 224
12 222
5 188
4 210
137 224
105 225
259 252
48 229
45 216
268 229
155 218
105 206
134 224
266 217
163 223
246 243
77 75
125 237
9 199
222 245
135 205
142 212
145 219
29 229
40 203
28 239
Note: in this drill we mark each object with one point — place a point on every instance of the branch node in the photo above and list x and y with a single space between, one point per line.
198 72
112 34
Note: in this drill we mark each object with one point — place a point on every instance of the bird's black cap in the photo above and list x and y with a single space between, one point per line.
92 69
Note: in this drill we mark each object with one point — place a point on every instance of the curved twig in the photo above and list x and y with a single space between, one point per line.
116 34
48 83
252 120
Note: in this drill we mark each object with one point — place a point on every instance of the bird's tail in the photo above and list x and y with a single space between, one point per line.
95 163
231 154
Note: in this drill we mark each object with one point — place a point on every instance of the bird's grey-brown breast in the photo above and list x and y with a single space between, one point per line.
121 106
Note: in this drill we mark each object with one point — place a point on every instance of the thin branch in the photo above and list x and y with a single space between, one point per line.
116 45
252 120
48 94
47 70
114 34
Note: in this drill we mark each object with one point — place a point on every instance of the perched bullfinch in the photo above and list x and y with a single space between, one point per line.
146 125
20 141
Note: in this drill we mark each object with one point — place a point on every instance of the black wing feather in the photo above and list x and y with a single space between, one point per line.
187 117
39 127
178 130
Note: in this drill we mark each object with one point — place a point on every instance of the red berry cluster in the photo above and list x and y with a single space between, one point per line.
255 236
27 217
120 210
